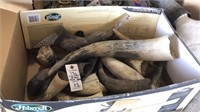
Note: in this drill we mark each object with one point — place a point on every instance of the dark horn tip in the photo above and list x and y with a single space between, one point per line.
37 84
144 84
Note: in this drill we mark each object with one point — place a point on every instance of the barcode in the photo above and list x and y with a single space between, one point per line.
33 18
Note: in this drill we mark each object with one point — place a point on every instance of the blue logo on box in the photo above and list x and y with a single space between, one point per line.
53 17
31 108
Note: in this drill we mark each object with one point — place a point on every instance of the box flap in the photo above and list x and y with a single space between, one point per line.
13 56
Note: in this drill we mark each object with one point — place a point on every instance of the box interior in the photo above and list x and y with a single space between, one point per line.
18 68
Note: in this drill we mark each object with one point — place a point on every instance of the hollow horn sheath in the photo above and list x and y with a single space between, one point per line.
58 83
171 8
120 69
122 86
157 49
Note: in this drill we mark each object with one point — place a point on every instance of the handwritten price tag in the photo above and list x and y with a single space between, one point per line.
74 77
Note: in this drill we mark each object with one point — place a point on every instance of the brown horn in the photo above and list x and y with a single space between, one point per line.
147 50
122 86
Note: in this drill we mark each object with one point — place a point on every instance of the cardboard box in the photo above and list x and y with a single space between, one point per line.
17 69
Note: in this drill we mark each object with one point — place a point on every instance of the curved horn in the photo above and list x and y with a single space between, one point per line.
38 84
71 42
122 86
138 49
91 86
120 70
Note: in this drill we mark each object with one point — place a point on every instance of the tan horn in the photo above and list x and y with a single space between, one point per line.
120 69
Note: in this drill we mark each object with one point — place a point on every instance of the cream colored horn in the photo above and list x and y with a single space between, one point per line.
156 49
120 70
58 83
91 86
135 64
188 29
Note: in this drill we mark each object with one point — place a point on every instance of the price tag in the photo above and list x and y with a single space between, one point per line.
74 77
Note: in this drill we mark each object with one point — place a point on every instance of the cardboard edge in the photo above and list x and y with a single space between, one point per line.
70 103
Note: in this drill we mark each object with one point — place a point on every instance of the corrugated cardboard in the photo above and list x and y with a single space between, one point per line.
17 67
13 53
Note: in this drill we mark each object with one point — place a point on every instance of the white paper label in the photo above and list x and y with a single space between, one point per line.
74 77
